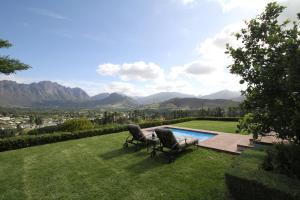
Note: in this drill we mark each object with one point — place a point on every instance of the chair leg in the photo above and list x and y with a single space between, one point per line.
136 146
125 145
171 157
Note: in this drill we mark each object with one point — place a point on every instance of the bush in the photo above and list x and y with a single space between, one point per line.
8 133
284 159
73 130
247 180
77 124
46 129
69 125
32 140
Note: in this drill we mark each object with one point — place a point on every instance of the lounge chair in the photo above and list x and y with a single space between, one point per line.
137 136
174 144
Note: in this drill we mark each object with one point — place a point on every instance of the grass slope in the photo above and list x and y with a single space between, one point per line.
98 168
222 126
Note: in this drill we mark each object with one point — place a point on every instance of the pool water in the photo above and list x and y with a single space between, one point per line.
201 136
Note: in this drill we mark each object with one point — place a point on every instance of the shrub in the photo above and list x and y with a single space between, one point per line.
46 129
284 159
73 130
77 124
247 180
32 140
8 133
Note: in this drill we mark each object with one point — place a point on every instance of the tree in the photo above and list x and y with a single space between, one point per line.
31 119
268 61
38 120
77 124
10 65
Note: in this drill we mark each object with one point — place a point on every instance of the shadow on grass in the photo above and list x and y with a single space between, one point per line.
149 163
121 151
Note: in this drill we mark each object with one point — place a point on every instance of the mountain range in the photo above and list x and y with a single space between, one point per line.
51 94
195 103
160 97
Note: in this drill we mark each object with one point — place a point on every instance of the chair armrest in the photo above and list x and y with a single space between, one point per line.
174 145
180 139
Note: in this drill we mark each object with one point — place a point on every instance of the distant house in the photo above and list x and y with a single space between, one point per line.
4 118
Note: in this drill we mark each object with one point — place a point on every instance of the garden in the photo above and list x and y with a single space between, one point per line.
99 168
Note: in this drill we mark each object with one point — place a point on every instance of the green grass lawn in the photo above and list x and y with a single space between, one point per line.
98 168
222 126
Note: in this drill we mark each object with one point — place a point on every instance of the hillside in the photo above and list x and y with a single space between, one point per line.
112 100
100 96
224 94
41 93
160 97
51 94
195 103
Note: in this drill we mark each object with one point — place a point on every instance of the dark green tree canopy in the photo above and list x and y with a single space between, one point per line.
10 65
268 61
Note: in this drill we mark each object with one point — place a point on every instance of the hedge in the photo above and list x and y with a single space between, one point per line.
229 119
58 128
246 180
46 129
33 140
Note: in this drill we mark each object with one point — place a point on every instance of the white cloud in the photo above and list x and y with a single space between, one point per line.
199 68
166 85
139 71
212 58
207 74
108 69
214 47
257 5
185 2
292 8
121 87
194 69
13 77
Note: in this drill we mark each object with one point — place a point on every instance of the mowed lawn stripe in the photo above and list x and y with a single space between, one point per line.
221 126
98 168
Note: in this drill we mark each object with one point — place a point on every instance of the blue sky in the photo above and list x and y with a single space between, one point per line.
137 47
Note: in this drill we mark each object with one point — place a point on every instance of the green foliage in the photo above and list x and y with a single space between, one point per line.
77 124
268 62
4 44
44 130
8 133
38 120
244 122
36 138
247 181
246 125
33 140
283 159
10 65
59 133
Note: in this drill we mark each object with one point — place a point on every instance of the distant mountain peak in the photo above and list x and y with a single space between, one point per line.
223 94
40 93
160 97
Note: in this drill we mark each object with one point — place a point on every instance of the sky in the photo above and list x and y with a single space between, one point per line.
135 47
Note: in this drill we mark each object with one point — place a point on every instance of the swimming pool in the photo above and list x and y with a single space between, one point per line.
201 136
